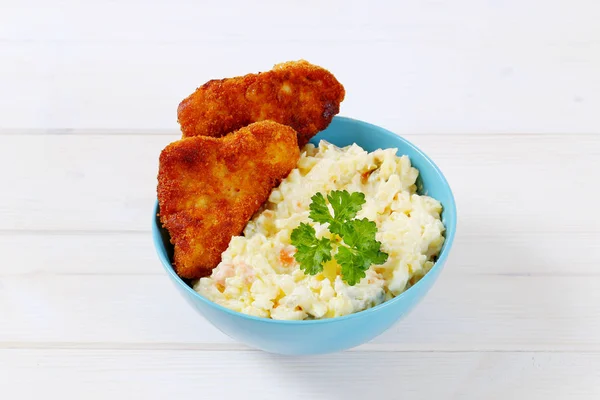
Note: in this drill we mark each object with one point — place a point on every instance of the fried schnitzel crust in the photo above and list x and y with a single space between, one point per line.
297 93
209 188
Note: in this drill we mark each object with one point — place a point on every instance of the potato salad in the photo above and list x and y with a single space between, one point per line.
259 274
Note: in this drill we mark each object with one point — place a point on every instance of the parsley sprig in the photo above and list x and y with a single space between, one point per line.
362 249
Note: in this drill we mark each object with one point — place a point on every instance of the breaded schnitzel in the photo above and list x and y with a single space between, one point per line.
299 94
209 188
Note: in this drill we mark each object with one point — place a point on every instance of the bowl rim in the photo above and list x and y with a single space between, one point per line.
439 263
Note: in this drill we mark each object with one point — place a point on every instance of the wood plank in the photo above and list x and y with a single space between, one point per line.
78 253
502 184
462 313
162 23
510 253
428 67
59 181
101 374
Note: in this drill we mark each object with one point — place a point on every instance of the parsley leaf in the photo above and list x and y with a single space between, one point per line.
356 232
312 252
360 234
353 265
318 209
345 207
363 251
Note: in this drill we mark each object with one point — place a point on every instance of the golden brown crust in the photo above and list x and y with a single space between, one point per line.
209 188
296 93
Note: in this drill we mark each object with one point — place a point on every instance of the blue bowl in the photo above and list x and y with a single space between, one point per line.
335 334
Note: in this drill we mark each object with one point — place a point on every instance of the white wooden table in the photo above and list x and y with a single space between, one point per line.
504 95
